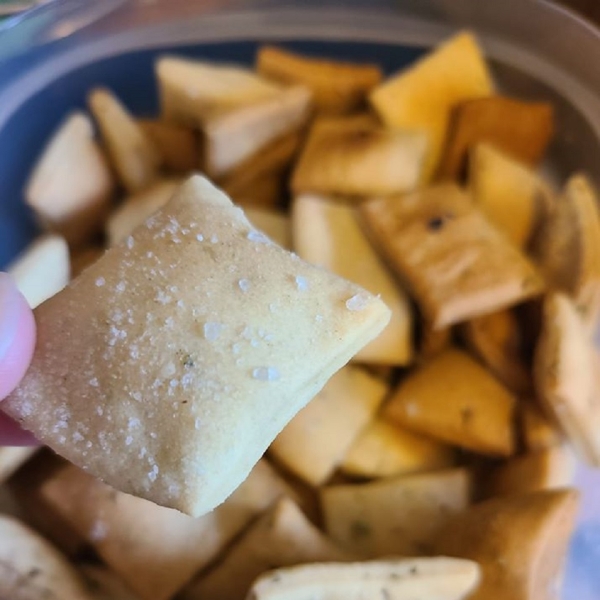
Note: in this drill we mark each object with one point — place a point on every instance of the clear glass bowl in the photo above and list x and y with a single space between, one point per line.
51 56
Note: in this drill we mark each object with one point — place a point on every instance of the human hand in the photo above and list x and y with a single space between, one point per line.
17 341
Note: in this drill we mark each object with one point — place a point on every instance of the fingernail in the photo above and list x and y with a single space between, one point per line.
11 302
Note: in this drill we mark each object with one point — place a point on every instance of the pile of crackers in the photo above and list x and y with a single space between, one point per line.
438 464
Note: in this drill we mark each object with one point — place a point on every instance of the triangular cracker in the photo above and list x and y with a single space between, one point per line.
162 372
71 185
132 152
193 91
454 399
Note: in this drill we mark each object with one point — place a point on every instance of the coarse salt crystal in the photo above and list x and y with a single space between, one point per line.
214 239
197 423
133 422
153 474
94 382
130 242
301 283
244 285
266 373
357 302
128 440
100 281
199 237
212 330
121 286
99 411
258 237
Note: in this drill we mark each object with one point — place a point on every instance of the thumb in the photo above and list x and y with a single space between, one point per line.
17 335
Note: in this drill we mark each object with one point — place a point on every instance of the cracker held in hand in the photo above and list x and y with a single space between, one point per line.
168 366
457 264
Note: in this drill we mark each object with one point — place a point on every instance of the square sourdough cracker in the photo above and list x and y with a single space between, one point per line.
160 371
455 262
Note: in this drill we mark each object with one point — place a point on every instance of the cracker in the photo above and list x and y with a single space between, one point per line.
329 234
384 449
435 578
71 185
193 91
454 399
314 442
133 154
32 569
397 515
546 469
565 373
350 157
497 340
567 246
136 208
537 430
423 95
337 87
282 537
178 146
155 550
174 359
233 137
509 193
456 264
519 541
42 269
522 130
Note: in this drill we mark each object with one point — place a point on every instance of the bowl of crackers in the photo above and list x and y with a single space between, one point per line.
317 289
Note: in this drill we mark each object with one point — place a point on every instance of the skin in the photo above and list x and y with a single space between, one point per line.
17 341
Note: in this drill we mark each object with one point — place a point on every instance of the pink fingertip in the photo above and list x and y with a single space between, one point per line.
17 335
12 434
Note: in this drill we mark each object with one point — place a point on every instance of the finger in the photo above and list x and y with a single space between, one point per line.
17 335
11 433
